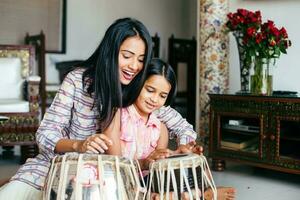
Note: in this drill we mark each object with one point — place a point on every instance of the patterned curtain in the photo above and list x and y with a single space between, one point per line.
214 73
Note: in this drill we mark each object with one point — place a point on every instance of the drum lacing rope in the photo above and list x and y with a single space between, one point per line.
210 181
140 188
101 175
78 190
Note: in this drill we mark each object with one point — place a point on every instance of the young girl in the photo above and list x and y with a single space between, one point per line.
136 131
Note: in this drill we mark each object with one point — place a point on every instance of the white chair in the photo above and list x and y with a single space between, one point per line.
19 99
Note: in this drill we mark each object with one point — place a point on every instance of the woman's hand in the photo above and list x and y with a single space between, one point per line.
97 143
191 147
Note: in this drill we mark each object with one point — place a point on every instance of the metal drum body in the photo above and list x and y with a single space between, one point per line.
181 173
91 176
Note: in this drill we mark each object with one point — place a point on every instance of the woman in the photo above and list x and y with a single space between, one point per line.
86 104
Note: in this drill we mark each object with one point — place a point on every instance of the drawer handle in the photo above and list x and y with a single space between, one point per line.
272 137
264 137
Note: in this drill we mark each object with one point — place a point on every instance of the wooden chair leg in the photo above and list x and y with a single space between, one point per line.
28 151
8 152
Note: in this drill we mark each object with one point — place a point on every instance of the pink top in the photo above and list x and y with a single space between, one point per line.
138 139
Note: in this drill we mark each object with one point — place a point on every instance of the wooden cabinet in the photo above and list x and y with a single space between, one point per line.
263 131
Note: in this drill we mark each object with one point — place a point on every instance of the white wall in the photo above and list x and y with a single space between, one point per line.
87 21
284 13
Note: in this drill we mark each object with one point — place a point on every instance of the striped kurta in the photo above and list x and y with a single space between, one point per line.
73 115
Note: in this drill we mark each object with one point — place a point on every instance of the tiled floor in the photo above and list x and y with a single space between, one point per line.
250 182
259 184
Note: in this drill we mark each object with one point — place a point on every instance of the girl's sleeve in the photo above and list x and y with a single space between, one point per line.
57 117
176 124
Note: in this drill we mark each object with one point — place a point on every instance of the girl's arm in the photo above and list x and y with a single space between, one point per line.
177 125
163 138
160 151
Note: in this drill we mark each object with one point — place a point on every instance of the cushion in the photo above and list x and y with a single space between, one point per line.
13 106
11 80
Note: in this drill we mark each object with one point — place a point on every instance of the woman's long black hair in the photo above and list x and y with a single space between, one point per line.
103 69
159 67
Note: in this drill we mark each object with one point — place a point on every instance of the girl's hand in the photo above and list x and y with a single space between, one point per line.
97 143
156 155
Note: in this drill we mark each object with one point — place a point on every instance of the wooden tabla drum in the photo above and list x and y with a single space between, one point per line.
180 173
92 176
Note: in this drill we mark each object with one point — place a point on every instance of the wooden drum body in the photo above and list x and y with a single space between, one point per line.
92 176
175 175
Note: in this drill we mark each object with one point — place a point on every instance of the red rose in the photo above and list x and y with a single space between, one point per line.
243 12
230 15
272 42
251 31
283 32
258 38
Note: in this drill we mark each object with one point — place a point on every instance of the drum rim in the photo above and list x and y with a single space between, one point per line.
189 160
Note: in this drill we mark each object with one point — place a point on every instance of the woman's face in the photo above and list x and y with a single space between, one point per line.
131 58
153 95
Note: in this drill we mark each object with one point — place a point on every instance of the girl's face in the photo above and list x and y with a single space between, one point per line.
131 58
153 95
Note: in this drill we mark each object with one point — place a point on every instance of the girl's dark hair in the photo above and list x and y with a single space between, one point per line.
159 67
103 68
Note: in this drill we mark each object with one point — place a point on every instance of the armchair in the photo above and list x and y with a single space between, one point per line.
19 99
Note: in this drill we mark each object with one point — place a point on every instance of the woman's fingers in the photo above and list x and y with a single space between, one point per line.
198 149
191 147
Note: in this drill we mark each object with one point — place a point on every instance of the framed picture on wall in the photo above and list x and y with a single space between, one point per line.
19 17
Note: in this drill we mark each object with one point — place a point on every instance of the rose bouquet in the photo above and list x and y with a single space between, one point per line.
258 43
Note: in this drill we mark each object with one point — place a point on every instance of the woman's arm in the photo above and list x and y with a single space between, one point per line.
96 143
53 134
113 132
176 124
57 117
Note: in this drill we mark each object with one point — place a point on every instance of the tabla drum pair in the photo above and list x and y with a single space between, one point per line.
93 177
182 174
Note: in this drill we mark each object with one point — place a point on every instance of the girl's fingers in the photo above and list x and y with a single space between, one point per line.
101 144
106 139
98 147
160 154
91 149
98 143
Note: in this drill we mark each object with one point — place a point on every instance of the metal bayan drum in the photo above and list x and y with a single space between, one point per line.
92 176
173 176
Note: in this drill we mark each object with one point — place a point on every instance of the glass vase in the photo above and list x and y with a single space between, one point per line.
261 82
244 62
